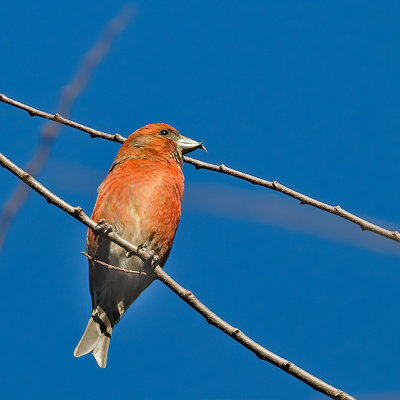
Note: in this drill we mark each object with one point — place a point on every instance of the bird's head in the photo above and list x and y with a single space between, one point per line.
157 141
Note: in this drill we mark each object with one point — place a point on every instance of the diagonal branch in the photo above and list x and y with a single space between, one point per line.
69 94
223 169
188 297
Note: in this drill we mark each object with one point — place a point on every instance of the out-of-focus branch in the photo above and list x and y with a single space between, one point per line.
188 297
223 169
69 94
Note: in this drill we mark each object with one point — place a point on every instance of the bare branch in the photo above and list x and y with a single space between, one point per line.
187 296
129 271
50 130
275 185
34 112
223 169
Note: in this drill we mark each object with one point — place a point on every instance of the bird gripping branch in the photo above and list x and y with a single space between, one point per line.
141 199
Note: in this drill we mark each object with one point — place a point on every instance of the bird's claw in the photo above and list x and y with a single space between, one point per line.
142 246
151 261
102 227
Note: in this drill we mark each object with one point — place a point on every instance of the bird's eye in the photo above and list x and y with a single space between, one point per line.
164 132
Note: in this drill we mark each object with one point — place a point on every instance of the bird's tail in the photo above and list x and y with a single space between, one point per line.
96 337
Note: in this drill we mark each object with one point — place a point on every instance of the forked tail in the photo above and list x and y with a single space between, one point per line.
96 337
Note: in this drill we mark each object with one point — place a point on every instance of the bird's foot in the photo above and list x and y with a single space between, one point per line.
142 246
153 259
102 227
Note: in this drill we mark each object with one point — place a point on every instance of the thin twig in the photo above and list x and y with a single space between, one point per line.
223 169
103 229
109 266
34 112
69 94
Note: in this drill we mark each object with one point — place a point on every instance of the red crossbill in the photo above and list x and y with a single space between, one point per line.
141 199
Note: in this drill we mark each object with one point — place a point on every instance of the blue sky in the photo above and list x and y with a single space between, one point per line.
304 92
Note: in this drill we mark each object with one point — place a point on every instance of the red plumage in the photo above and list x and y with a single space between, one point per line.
141 199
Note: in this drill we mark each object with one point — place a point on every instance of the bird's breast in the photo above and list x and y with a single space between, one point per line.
142 200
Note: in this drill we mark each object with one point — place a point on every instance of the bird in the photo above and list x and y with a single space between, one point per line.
140 200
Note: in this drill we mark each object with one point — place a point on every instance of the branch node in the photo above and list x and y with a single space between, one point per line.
236 332
57 117
339 395
209 321
25 176
338 208
78 211
302 202
275 184
118 138
287 366
222 167
32 113
188 294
